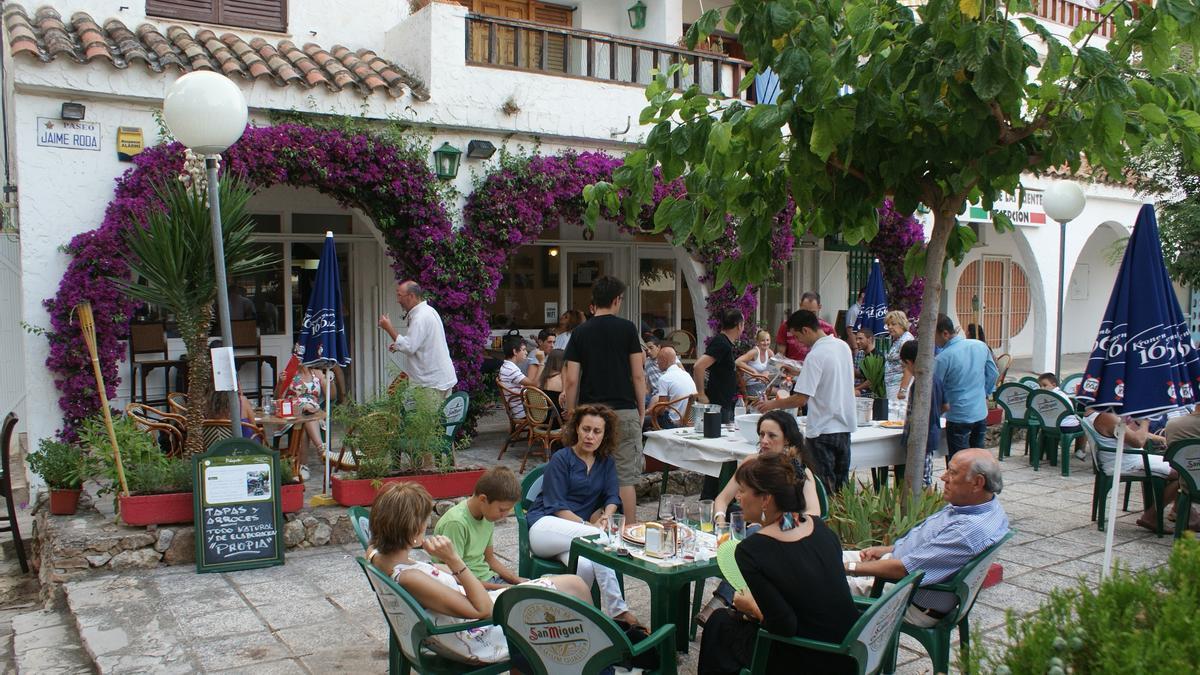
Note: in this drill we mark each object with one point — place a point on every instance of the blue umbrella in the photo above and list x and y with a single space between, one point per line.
875 303
323 334
1143 362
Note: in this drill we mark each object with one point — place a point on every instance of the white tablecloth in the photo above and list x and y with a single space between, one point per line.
870 447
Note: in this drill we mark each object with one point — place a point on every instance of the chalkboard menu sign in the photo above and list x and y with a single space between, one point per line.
239 524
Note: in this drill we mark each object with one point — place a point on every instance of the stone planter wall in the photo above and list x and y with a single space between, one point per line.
68 548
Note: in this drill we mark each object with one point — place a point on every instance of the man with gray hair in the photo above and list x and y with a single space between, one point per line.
941 544
424 343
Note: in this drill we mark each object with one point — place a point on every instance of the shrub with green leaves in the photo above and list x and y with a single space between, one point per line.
64 466
872 366
399 432
1133 622
862 516
147 469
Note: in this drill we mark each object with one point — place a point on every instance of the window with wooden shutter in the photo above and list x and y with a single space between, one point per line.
258 14
556 45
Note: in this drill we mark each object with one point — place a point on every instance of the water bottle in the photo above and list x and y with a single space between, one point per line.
739 407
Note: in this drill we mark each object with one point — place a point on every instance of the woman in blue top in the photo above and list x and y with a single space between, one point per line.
579 493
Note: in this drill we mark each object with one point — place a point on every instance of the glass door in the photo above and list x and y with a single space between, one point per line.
658 286
583 268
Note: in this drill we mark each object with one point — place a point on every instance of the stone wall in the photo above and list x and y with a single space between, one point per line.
67 548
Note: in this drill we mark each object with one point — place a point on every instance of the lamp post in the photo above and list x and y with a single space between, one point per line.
207 113
1063 202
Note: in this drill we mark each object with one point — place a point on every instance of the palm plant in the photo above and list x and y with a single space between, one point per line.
172 267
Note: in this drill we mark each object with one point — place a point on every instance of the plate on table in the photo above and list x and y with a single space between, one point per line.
636 533
892 424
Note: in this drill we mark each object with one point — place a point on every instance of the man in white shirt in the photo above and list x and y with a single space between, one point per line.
429 363
673 383
826 385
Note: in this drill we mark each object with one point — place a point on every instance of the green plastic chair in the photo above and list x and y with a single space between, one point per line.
411 626
454 413
360 520
529 565
1184 457
1152 487
965 584
870 642
1050 410
1070 383
561 635
1012 398
822 498
1029 381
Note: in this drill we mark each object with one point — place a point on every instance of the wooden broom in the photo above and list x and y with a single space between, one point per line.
87 326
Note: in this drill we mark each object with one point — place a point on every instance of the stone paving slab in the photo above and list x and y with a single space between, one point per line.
317 613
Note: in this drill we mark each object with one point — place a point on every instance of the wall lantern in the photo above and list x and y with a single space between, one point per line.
445 161
480 149
73 111
637 15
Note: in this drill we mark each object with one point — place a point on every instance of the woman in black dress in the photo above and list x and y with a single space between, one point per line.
796 581
550 380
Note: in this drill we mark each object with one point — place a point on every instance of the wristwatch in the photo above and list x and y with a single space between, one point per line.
851 567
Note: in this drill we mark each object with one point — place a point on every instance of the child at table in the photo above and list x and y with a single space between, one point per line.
1049 381
449 593
470 523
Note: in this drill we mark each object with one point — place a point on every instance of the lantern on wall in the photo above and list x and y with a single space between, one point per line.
637 15
445 161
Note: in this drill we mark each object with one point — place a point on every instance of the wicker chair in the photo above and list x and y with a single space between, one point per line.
347 458
684 343
177 402
657 409
218 430
518 427
396 383
544 423
170 429
1002 363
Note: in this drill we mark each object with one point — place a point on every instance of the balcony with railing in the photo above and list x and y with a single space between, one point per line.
1071 14
568 52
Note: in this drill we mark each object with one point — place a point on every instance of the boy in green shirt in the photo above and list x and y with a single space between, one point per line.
470 523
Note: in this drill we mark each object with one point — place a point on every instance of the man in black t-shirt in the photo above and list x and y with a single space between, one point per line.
606 365
721 388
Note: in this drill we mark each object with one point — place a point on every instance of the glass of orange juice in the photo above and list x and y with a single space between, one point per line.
722 531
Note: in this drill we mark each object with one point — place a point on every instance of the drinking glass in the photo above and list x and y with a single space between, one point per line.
666 506
693 514
706 515
737 525
616 526
268 404
722 532
679 511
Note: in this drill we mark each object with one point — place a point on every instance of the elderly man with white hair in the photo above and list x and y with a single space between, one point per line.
941 544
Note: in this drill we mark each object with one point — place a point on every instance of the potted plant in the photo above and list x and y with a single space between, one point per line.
291 489
64 467
171 266
400 436
872 367
160 487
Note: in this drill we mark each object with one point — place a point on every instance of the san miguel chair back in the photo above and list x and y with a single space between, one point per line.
1070 383
545 424
518 427
1050 410
411 627
965 585
1184 457
10 517
871 642
360 520
561 635
1013 399
454 413
1152 486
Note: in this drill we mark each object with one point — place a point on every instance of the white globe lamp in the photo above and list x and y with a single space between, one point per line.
205 111
1063 201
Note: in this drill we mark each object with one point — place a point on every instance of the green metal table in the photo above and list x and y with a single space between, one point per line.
669 586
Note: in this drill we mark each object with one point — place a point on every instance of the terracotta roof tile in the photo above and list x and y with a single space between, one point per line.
46 37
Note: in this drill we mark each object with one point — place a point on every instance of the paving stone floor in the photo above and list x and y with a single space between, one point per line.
317 614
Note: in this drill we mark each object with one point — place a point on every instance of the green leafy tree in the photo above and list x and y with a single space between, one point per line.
1162 170
943 104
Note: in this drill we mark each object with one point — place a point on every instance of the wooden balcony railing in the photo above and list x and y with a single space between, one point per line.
566 52
1071 14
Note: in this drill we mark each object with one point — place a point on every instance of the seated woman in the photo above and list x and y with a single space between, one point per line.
752 365
1137 437
550 379
796 583
579 493
306 388
450 593
218 409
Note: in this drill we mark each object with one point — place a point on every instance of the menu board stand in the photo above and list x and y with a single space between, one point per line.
239 523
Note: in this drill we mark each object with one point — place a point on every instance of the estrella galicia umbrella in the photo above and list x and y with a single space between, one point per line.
875 303
323 333
1143 362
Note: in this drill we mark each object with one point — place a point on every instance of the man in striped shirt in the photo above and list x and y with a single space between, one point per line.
944 542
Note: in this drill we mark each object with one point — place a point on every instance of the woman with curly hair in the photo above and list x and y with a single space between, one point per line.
579 493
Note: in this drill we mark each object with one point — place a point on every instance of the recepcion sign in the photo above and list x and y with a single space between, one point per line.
68 134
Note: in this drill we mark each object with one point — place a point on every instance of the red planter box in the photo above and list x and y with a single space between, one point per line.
362 491
291 497
167 509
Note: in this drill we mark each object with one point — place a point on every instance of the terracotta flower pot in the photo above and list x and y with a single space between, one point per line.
175 507
362 491
291 497
64 502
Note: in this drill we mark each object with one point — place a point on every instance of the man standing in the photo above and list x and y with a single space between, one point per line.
968 375
826 385
718 364
673 383
429 365
788 345
605 364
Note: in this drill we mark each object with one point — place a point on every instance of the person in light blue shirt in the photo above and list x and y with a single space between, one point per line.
968 374
943 543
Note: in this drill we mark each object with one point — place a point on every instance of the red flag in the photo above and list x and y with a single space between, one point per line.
289 371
